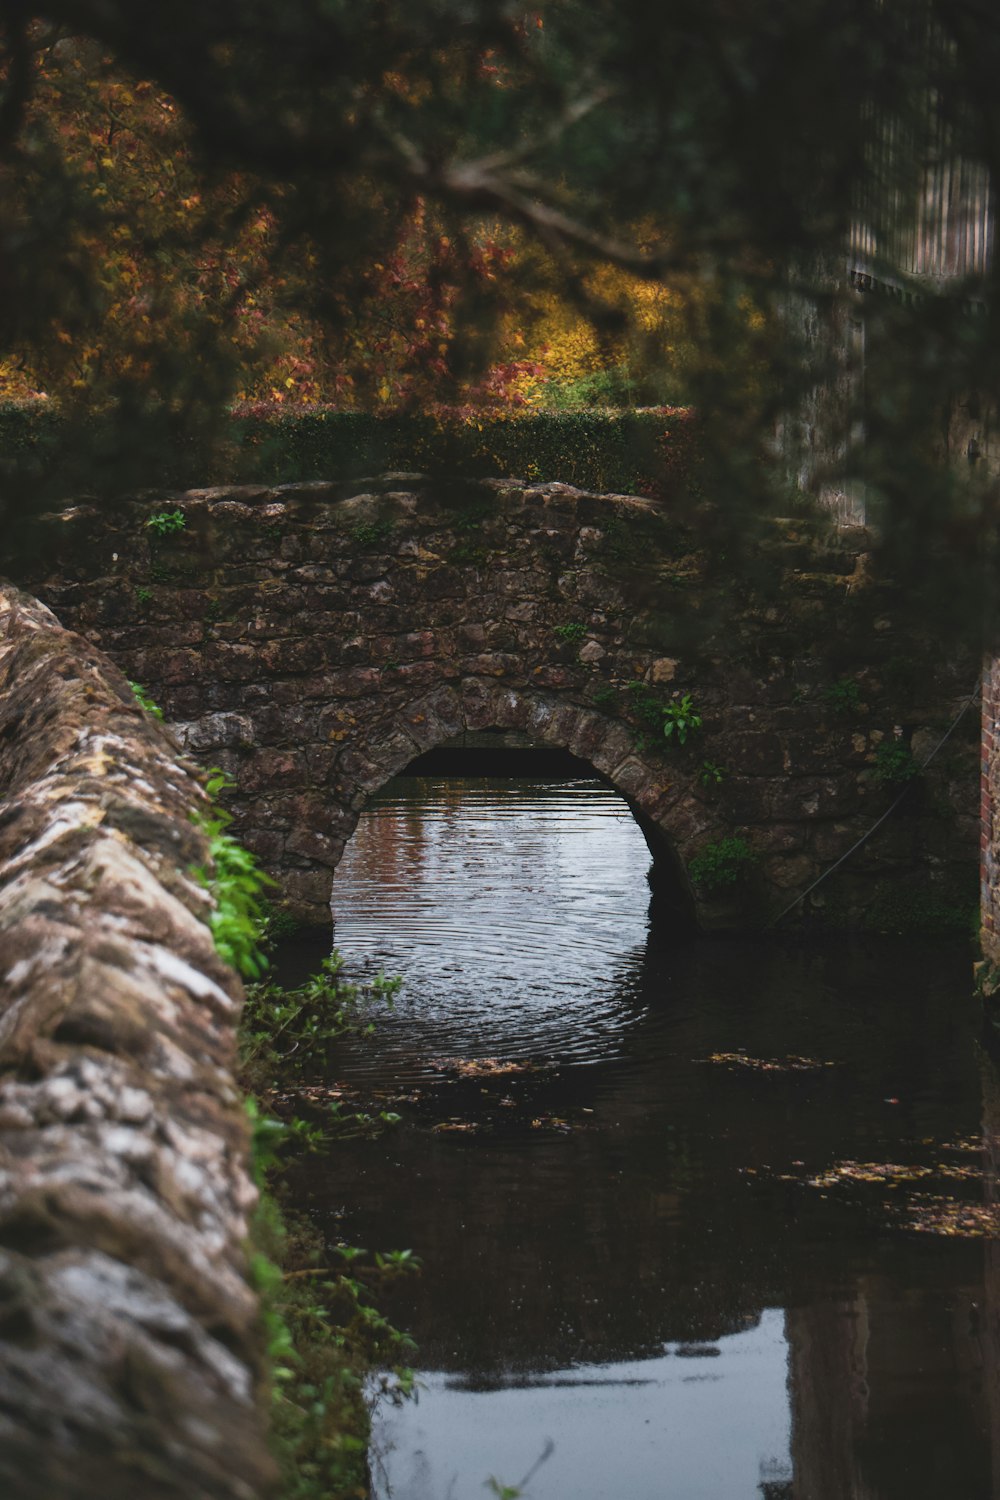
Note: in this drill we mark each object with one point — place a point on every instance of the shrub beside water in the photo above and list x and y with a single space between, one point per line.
331 1351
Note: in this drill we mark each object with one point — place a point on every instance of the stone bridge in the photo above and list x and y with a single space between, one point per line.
315 640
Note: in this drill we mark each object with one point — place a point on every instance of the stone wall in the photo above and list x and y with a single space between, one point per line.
989 838
314 639
129 1353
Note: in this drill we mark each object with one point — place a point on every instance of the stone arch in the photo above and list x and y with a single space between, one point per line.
661 798
296 635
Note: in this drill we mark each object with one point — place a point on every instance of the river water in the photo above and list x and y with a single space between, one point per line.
698 1222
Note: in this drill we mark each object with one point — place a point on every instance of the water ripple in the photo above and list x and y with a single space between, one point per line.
516 914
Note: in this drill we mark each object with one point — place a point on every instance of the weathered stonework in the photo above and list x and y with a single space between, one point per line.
314 639
989 838
129 1353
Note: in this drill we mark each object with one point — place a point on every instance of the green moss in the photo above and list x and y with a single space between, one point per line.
843 696
572 631
895 765
722 863
465 555
937 914
371 533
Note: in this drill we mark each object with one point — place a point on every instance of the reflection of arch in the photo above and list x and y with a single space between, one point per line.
662 798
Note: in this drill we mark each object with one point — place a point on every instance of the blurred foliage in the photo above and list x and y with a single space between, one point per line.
159 240
456 206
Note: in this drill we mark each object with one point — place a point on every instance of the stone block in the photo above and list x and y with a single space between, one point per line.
754 753
314 845
664 669
354 682
592 651
265 769
419 674
217 731
807 797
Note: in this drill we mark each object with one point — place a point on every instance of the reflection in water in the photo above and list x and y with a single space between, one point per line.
475 892
608 1429
595 1225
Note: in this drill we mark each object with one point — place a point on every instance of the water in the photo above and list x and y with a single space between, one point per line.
668 1199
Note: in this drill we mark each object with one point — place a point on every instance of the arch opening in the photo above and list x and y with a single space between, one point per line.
515 910
482 729
515 754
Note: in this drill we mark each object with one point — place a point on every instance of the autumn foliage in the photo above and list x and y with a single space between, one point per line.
153 261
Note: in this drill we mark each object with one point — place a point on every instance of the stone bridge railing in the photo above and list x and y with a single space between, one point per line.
130 1361
314 639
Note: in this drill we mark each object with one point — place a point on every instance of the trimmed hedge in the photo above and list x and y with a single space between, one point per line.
613 452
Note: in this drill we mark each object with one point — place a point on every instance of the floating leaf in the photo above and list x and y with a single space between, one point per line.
480 1067
943 1216
789 1064
889 1172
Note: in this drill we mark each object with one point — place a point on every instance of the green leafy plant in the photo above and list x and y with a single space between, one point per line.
472 518
145 701
722 863
647 706
605 696
369 533
709 774
573 631
290 1031
235 881
843 696
681 718
166 522
895 764
326 1338
143 595
332 1353
676 719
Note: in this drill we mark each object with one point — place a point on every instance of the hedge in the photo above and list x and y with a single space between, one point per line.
625 452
